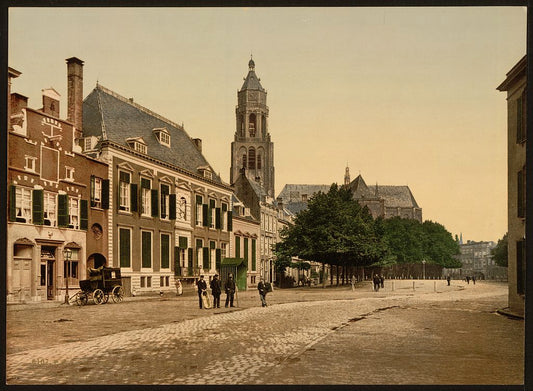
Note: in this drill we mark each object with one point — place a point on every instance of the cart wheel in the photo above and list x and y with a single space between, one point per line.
118 294
98 296
81 298
106 298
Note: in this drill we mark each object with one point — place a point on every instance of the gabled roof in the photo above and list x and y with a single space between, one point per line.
396 196
115 118
360 189
292 193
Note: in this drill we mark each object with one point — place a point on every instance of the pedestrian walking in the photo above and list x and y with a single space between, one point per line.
216 290
202 287
382 281
376 282
263 290
468 280
474 280
229 288
448 280
179 287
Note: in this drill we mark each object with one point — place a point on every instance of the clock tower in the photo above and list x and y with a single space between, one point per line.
252 150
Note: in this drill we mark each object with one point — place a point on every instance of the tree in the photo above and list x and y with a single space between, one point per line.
500 251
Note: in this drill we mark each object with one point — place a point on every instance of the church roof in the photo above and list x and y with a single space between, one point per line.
396 196
293 192
252 82
112 117
360 189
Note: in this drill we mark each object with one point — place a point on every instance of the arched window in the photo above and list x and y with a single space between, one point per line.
263 125
243 160
241 122
251 158
252 126
259 164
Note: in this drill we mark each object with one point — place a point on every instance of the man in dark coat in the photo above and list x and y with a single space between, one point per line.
202 287
263 290
377 282
229 288
216 290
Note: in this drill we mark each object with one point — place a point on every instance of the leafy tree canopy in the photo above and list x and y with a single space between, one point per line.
500 251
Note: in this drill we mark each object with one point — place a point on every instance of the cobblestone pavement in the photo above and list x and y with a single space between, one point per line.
333 336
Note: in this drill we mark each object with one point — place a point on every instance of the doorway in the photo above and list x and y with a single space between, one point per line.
48 259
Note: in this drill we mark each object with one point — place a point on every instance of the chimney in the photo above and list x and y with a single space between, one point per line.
11 74
75 91
198 143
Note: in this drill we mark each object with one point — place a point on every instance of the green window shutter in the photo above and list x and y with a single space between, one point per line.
205 215
172 207
177 267
93 202
124 243
211 245
62 210
246 249
105 194
217 218
230 221
218 261
146 251
12 203
134 195
207 261
190 266
38 207
165 251
182 242
155 203
84 214
237 247
253 255
164 193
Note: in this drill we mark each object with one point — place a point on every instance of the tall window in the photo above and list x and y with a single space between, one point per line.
165 251
521 118
251 158
211 217
521 192
223 216
146 249
165 191
224 248
259 163
23 205
73 213
199 255
251 125
182 208
237 247
243 160
96 192
69 173
30 163
125 247
146 197
124 191
49 209
199 201
254 266
70 269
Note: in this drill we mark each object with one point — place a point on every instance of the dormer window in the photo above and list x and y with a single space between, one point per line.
138 144
206 172
89 143
163 136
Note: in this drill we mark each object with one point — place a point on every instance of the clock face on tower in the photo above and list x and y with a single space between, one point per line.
253 95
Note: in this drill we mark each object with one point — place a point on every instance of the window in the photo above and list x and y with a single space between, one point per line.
74 213
182 208
23 205
125 247
165 251
223 216
149 281
87 143
165 191
96 192
69 173
521 118
254 268
165 138
208 174
237 247
224 248
520 266
251 158
30 163
146 197
521 192
143 282
259 163
146 249
243 160
124 191
251 125
211 213
212 253
49 209
199 201
199 253
70 269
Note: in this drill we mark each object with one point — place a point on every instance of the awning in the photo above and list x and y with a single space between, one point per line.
232 261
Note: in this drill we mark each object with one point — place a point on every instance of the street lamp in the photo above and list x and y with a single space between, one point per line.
67 253
423 269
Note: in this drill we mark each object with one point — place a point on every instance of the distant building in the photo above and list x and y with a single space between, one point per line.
382 200
515 86
477 261
58 197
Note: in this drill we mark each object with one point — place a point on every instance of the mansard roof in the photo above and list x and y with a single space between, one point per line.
396 196
112 117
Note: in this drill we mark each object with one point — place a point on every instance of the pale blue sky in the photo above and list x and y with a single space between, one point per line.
404 95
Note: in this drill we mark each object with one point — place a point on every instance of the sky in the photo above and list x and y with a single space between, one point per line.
403 96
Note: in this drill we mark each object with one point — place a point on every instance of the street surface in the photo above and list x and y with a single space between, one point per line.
434 334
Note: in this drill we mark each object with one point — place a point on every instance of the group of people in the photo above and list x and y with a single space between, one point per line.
229 288
379 281
468 278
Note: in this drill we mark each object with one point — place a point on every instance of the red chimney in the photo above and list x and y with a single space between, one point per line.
75 91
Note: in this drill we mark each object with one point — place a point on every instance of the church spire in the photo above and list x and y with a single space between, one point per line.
347 175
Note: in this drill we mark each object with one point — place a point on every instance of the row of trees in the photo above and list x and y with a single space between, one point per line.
336 230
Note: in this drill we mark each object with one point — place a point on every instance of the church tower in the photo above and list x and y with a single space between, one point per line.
252 150
347 176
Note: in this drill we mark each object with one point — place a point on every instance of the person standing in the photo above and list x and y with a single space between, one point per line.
216 290
382 281
376 281
229 288
202 287
474 279
352 280
448 280
263 290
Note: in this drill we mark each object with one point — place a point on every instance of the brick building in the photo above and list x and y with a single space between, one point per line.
58 197
515 86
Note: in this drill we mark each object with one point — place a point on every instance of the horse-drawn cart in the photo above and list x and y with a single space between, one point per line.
102 283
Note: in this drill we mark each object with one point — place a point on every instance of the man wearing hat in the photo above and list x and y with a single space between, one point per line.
229 288
216 290
202 287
